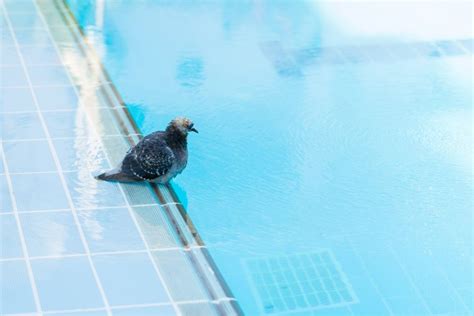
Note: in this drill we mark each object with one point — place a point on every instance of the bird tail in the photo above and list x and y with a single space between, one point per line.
116 175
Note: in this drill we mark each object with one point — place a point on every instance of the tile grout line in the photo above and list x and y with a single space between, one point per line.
158 272
34 287
58 165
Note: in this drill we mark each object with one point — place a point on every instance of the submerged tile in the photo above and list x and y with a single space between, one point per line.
39 192
110 230
16 77
83 313
10 242
33 37
2 168
42 55
56 98
9 57
27 20
66 283
50 234
15 286
19 156
5 201
48 75
145 311
16 100
129 279
21 126
19 6
6 38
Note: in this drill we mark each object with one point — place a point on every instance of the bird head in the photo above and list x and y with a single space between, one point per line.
182 125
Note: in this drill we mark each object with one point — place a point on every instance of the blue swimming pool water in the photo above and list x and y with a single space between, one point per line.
333 170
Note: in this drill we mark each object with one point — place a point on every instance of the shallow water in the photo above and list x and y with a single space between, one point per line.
324 128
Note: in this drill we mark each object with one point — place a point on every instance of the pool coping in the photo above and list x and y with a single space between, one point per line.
175 213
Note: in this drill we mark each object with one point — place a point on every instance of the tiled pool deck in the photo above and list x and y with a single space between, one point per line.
72 245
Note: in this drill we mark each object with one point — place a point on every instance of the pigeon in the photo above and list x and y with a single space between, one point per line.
157 158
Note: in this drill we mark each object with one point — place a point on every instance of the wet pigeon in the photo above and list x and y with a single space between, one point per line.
158 157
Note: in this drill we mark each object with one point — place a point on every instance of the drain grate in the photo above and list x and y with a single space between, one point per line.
299 282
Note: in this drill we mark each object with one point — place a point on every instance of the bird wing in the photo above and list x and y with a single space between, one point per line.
149 159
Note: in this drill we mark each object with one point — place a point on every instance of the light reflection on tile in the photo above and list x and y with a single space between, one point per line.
87 192
81 154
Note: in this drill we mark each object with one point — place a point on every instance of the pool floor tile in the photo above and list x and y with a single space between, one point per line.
56 98
10 246
6 39
43 55
16 100
51 234
82 313
9 57
48 75
39 192
19 6
129 279
110 230
146 311
26 21
2 168
16 77
33 37
16 126
66 283
15 287
5 201
26 156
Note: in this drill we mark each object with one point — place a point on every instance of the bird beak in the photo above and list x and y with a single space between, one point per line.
192 129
